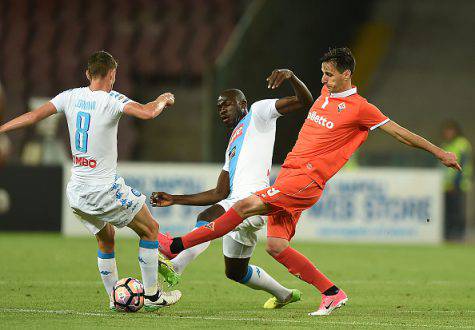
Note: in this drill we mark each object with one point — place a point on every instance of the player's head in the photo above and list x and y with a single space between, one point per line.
338 65
102 66
450 130
231 106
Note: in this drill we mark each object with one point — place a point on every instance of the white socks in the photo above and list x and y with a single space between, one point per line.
108 270
258 279
185 257
148 260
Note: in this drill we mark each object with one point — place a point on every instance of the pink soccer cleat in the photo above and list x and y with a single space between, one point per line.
164 241
330 303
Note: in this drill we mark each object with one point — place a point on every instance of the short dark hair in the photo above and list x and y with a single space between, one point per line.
235 93
341 57
100 63
453 125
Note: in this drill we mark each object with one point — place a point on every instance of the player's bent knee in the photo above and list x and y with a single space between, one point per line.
274 248
249 206
152 230
105 238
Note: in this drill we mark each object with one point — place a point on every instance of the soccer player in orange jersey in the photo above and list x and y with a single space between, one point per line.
337 124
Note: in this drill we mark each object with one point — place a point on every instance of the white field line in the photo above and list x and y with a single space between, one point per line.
313 321
384 282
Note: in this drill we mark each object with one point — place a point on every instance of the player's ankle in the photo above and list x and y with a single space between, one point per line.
177 245
331 291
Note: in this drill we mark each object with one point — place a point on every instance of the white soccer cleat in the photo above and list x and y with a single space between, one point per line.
330 303
161 299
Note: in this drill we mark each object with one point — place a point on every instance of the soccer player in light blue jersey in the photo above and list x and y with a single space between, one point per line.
98 197
248 160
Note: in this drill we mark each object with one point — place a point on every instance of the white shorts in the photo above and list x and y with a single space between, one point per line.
95 206
240 242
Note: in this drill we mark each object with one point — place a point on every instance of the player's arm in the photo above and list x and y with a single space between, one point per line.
151 109
209 197
29 118
302 99
405 136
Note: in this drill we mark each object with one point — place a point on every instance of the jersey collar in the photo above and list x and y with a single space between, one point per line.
346 93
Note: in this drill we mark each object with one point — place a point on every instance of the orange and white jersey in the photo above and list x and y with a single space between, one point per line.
93 118
336 125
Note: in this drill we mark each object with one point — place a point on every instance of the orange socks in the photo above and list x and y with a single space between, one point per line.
219 227
300 266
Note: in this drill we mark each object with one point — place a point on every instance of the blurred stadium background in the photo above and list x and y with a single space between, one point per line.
414 61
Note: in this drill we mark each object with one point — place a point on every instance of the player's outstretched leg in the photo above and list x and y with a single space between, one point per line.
256 278
243 209
300 266
147 228
106 260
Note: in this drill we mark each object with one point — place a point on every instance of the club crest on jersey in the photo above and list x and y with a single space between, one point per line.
236 133
232 153
210 226
136 192
272 191
341 106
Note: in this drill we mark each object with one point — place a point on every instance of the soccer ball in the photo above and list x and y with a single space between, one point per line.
128 295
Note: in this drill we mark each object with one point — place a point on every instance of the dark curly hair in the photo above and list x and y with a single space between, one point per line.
341 57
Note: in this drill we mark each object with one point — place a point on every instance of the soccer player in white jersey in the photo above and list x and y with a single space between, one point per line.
98 197
246 170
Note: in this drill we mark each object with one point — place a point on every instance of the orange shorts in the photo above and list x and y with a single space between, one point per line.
291 194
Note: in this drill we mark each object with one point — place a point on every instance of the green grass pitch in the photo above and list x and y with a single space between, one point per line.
48 281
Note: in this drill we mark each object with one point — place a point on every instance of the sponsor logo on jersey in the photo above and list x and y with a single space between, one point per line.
320 120
236 133
81 161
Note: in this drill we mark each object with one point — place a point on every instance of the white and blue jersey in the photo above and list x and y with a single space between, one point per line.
95 193
250 150
93 118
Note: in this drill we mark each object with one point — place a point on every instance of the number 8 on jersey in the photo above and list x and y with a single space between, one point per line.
82 126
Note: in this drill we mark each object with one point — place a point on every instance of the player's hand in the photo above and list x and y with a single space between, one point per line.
161 199
166 100
449 159
277 77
